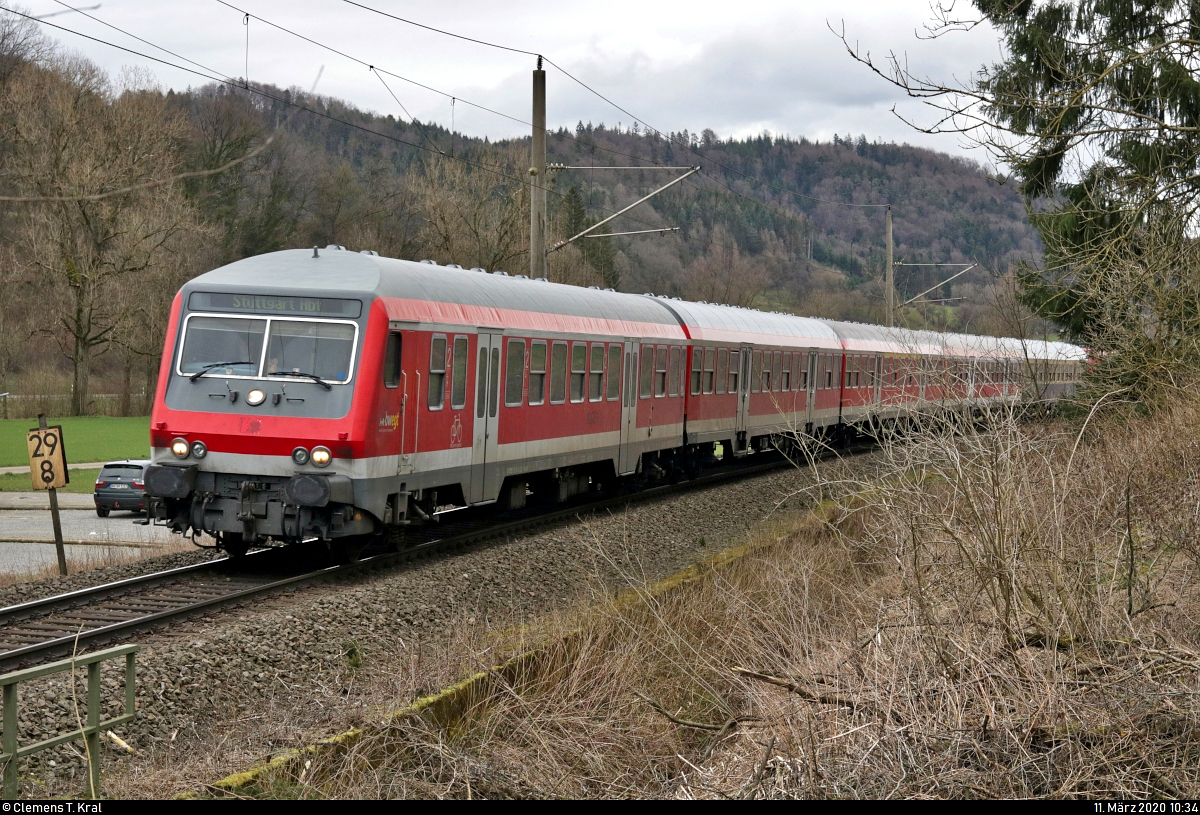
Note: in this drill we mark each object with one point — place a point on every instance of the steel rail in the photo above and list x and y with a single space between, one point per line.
139 589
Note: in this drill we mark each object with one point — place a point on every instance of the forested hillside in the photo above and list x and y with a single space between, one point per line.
123 212
777 201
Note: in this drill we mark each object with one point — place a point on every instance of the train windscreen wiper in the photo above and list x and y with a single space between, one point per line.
313 377
208 368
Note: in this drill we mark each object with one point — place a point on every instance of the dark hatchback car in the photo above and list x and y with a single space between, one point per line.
121 485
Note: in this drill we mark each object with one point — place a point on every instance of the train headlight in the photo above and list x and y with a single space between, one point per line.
180 448
255 397
199 449
321 456
300 456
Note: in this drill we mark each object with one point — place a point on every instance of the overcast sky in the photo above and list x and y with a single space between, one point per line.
739 68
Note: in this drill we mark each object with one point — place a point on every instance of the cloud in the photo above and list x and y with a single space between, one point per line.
776 66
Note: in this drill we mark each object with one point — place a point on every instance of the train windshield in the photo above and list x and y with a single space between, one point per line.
233 346
234 341
308 347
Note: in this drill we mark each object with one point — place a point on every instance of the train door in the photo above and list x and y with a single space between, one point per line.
485 482
743 404
628 458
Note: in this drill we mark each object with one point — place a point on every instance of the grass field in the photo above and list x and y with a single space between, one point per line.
82 482
86 438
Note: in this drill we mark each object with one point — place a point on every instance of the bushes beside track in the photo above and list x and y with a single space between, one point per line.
997 614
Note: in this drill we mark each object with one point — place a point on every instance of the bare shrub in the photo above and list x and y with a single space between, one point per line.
999 612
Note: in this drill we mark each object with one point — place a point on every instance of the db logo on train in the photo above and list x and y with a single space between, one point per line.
456 431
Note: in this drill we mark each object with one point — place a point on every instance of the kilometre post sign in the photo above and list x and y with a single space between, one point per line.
48 466
47 459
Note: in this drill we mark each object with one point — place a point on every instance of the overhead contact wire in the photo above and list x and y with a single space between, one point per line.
631 115
421 85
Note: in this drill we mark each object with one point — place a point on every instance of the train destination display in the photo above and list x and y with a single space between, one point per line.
275 304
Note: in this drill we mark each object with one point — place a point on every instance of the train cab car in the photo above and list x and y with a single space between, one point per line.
332 394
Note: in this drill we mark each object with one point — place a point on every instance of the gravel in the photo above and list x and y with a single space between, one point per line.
233 687
30 590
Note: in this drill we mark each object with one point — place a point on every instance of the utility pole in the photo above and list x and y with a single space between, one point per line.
538 178
890 274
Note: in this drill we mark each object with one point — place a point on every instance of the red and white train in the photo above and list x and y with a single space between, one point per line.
336 394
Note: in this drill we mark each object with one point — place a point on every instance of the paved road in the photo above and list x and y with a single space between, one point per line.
24 468
41 501
78 525
91 541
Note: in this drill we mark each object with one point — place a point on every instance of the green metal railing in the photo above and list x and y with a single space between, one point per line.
11 753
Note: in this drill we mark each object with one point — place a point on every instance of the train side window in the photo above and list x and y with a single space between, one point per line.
710 363
514 374
735 368
578 370
785 377
537 372
647 371
756 368
660 372
722 369
458 375
830 363
437 372
775 370
614 372
596 374
676 370
558 373
802 364
391 361
697 366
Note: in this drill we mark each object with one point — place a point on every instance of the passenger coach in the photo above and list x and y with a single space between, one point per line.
337 395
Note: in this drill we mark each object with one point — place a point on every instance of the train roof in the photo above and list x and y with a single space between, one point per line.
425 292
708 322
879 339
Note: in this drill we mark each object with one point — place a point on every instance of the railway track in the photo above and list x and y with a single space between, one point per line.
58 626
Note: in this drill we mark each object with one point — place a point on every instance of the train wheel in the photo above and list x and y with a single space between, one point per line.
349 550
234 544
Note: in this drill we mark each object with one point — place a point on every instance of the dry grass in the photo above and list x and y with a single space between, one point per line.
98 556
1006 613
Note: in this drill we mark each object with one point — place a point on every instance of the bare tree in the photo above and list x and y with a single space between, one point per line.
474 217
722 276
72 132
